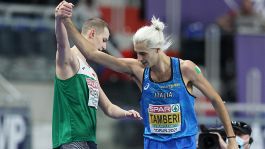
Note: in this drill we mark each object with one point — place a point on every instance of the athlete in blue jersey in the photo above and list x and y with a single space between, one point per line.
168 110
167 104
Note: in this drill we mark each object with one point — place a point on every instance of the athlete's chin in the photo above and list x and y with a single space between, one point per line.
145 64
104 51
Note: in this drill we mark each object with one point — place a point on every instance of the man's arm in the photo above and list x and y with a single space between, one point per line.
91 53
89 50
66 63
114 111
192 73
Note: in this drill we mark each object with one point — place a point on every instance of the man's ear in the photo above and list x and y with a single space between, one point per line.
91 33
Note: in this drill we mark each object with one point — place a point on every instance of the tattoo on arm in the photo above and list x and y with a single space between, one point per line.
197 69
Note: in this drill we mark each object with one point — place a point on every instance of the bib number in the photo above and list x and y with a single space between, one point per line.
164 119
93 87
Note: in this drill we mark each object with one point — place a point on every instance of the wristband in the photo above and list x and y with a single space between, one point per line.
228 137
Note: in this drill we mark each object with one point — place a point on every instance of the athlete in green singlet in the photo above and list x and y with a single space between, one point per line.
77 92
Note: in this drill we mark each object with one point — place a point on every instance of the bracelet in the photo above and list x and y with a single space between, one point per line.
231 137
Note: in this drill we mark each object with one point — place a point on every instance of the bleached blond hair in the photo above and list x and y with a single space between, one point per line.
153 35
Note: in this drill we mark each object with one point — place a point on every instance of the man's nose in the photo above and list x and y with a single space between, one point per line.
104 47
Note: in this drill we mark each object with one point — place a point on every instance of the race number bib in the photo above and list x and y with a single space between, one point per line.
93 92
164 119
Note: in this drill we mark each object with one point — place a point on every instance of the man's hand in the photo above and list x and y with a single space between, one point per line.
64 10
232 143
132 114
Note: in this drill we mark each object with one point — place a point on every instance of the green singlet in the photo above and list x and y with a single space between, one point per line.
75 106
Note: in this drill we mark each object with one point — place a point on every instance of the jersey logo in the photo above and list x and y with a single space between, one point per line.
163 95
146 86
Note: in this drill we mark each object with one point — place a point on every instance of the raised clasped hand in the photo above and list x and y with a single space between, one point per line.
64 10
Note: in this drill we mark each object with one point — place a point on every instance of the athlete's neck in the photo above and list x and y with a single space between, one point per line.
163 64
162 70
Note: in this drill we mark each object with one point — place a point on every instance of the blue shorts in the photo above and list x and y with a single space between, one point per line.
179 143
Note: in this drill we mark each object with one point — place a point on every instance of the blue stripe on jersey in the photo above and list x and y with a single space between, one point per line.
167 107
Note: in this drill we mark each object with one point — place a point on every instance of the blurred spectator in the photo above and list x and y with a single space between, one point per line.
240 19
243 135
243 20
87 9
84 10
143 9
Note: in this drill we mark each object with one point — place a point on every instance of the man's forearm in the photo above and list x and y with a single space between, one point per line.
224 116
61 35
80 42
115 111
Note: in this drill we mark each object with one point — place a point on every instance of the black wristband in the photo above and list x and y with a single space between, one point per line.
231 137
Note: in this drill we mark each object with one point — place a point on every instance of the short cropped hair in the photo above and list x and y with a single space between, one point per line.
96 23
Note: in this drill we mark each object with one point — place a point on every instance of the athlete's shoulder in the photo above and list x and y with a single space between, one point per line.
66 67
187 67
186 64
